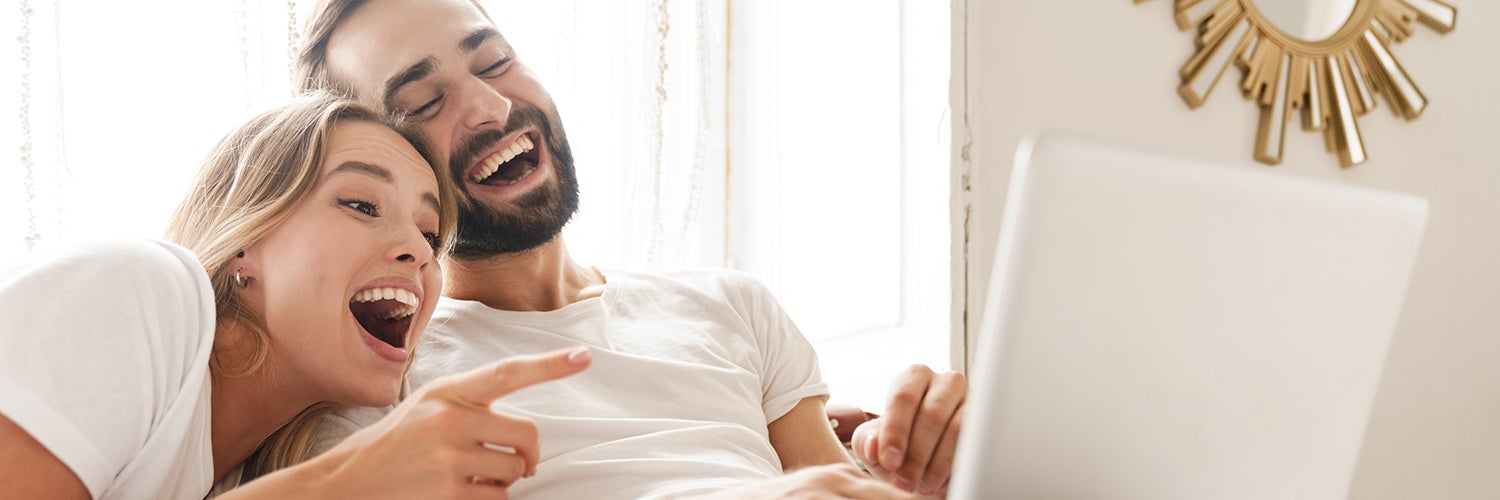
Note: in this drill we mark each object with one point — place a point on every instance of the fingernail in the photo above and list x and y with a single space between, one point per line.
901 484
579 356
891 457
927 489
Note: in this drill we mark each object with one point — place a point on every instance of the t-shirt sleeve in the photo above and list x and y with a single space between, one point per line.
789 370
97 340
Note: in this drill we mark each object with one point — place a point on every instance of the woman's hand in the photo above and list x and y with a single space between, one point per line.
442 442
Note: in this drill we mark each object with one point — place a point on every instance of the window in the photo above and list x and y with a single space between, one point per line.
804 142
838 178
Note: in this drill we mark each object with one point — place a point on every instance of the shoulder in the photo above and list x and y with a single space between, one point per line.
334 427
739 291
154 282
712 281
117 261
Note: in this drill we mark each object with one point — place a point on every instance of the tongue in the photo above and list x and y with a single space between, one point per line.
370 314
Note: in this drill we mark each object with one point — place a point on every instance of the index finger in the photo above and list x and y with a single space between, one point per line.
485 384
895 426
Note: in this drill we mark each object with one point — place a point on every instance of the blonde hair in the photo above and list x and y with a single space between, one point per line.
248 185
312 57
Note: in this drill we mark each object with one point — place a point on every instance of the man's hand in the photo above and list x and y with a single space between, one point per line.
445 441
823 481
912 445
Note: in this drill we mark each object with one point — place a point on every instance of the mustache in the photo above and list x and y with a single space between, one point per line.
521 117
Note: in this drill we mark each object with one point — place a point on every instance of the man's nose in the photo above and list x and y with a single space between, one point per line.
484 106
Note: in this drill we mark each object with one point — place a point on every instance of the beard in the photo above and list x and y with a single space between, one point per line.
535 217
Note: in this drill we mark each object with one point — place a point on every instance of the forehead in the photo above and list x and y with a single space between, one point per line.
376 144
384 37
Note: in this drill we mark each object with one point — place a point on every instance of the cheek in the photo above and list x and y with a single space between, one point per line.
432 281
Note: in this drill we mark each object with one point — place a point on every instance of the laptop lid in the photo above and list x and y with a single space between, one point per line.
1162 328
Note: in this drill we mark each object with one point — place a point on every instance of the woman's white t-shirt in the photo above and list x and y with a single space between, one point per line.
104 352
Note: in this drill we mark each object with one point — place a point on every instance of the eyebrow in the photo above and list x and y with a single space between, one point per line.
381 173
427 66
364 168
422 69
477 38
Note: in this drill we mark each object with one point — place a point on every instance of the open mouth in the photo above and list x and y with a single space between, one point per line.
385 313
509 165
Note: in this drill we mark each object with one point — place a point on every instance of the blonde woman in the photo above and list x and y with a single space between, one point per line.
303 270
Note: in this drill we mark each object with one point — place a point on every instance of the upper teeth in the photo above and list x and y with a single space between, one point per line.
407 299
492 165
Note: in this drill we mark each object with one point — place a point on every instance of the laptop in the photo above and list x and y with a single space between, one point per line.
1168 329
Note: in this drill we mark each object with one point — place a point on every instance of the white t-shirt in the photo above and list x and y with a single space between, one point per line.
688 370
104 355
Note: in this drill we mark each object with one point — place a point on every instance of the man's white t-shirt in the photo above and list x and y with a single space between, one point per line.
688 370
104 355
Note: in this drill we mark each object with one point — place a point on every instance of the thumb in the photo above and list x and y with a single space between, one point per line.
864 442
485 384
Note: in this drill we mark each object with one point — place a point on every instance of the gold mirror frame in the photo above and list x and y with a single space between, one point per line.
1333 80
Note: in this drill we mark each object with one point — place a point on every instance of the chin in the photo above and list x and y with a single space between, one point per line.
371 389
376 397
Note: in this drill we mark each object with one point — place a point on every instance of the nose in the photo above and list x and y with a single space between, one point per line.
483 105
411 247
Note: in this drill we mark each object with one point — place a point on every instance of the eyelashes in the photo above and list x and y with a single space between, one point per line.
370 209
361 206
428 109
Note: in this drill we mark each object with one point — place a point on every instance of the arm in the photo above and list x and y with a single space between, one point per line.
803 438
28 470
440 443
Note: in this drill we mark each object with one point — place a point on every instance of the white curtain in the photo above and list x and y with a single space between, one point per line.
116 103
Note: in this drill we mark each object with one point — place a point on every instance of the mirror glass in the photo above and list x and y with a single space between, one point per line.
1309 20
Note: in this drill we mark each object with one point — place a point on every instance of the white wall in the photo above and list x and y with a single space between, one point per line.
1108 69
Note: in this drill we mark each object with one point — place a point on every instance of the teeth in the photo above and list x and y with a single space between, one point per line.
407 299
492 164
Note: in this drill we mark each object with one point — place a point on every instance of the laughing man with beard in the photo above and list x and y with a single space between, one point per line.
700 383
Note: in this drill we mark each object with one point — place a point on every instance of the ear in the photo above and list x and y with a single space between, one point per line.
244 268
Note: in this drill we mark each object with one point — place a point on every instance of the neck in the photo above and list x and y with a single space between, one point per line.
544 278
246 409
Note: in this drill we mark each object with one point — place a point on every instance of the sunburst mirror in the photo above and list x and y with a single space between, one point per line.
1327 58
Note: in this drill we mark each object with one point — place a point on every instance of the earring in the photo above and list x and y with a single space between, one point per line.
239 281
240 255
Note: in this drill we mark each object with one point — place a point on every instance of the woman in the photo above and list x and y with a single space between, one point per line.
143 369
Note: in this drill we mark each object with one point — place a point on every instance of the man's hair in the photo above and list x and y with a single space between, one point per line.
312 57
250 183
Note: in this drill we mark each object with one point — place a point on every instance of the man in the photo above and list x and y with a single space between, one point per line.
700 383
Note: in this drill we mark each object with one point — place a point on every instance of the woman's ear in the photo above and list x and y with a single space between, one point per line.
242 277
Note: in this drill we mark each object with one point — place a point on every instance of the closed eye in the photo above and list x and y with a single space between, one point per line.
494 70
425 107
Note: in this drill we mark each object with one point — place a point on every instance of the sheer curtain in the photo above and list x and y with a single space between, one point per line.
115 104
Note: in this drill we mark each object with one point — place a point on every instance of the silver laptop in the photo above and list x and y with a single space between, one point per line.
1160 328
